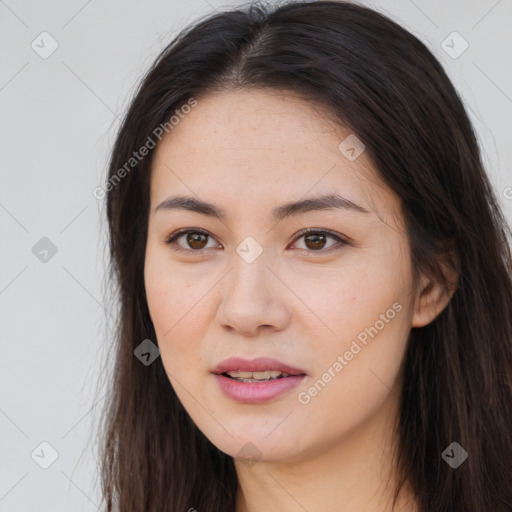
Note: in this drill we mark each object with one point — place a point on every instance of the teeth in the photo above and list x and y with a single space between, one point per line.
256 376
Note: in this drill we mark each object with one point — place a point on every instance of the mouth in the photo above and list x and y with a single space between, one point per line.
265 376
261 368
256 381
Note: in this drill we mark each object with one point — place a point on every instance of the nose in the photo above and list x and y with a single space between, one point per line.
253 298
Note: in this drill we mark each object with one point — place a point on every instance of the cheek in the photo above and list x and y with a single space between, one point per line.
174 304
171 292
346 300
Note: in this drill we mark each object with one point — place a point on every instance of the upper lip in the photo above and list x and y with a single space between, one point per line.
260 364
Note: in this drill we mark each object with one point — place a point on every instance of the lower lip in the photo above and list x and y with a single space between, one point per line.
257 392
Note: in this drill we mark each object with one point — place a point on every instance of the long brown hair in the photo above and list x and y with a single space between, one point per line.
385 85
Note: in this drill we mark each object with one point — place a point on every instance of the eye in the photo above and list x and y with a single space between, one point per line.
315 239
196 240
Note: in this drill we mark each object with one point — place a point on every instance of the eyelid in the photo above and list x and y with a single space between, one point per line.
338 237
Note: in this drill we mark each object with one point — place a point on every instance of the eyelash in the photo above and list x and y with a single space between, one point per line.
178 234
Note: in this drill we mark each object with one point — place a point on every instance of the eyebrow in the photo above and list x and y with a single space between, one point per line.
324 202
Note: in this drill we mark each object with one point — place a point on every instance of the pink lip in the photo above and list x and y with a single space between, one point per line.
256 392
260 364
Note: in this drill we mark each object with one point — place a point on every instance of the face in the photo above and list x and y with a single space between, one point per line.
334 303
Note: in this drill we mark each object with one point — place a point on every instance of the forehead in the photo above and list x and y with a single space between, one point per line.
250 145
253 123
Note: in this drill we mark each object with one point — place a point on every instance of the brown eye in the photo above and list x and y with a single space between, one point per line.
196 240
190 241
315 241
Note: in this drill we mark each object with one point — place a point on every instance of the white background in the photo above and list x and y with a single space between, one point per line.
58 118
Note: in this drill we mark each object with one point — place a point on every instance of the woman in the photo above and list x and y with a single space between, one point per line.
300 221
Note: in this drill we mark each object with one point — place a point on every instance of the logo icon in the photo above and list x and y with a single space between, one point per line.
44 455
44 45
146 352
249 454
454 45
44 250
351 147
249 250
454 455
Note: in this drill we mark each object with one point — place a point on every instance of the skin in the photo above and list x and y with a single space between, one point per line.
248 152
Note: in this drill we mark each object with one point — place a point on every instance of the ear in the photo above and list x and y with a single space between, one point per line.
432 296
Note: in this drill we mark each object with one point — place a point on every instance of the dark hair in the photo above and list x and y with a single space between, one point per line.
385 86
